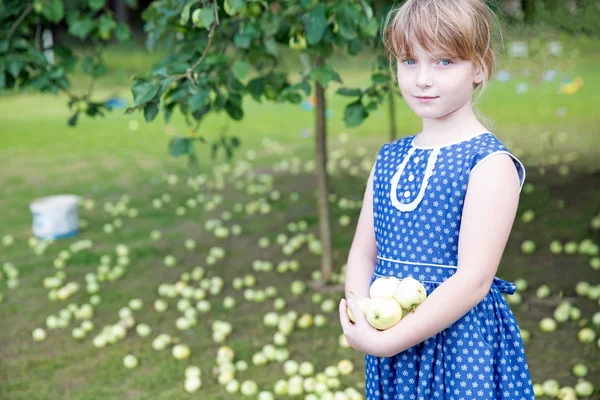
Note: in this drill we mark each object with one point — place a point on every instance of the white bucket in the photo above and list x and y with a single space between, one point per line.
55 217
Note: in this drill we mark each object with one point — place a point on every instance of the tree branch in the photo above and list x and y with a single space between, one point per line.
15 25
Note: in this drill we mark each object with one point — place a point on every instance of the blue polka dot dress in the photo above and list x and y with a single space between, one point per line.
418 195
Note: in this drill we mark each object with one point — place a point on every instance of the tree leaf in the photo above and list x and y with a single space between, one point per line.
271 46
151 111
207 16
53 10
347 18
354 114
198 99
179 146
234 110
96 4
240 69
315 24
380 78
242 41
324 74
349 92
123 32
370 28
81 28
184 17
144 91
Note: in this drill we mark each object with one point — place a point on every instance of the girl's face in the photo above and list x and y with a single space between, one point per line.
448 81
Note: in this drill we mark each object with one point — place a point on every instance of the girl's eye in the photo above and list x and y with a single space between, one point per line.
445 59
404 61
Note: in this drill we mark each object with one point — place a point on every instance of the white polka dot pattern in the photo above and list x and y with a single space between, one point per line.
481 355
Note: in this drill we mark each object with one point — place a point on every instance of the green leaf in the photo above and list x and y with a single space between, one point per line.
179 146
240 69
185 13
73 120
144 91
198 99
380 78
370 28
354 114
368 9
354 46
242 41
234 110
256 87
96 4
207 16
151 111
349 92
2 79
315 24
123 32
14 66
81 28
237 5
53 10
324 74
106 26
271 46
347 18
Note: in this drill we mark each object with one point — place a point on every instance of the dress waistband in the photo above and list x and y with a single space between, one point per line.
428 273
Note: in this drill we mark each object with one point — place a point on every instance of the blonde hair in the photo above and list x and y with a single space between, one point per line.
457 28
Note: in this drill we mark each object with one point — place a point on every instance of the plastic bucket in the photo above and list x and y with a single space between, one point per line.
55 217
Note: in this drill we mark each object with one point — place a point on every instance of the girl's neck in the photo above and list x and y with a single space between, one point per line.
457 125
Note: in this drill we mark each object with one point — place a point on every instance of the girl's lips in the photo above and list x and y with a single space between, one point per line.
425 99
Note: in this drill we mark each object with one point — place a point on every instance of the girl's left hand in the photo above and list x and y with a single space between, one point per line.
360 335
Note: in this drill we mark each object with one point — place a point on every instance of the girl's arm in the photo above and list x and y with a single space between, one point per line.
363 253
488 214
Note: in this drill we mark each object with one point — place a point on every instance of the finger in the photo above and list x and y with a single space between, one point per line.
356 311
344 318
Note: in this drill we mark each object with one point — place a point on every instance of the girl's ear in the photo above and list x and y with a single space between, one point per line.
478 75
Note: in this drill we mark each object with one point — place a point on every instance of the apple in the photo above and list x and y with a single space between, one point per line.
130 361
528 216
181 351
547 325
586 335
192 384
228 302
582 288
528 246
290 367
525 335
521 284
281 387
345 367
566 393
383 287
574 313
170 261
580 370
233 386
265 395
551 387
320 320
383 312
143 330
328 305
542 292
39 334
584 388
409 293
297 287
538 390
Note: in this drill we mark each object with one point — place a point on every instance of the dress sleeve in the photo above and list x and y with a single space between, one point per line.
482 156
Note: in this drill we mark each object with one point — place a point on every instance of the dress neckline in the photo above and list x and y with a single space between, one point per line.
416 146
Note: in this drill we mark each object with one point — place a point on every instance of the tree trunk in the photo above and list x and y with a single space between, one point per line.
322 184
528 8
392 110
121 12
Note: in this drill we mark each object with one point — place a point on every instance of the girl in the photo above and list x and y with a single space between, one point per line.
439 207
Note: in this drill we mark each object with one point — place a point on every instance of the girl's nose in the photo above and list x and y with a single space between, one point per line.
424 78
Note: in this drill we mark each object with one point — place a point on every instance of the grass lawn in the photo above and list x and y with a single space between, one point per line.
104 159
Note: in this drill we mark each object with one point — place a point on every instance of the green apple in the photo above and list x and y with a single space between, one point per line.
130 361
409 293
584 388
586 335
383 287
580 370
547 325
383 313
528 246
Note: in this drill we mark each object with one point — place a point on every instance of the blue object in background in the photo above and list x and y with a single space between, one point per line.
115 102
328 113
306 106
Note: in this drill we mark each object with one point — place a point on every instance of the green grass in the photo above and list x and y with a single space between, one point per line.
103 159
